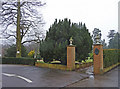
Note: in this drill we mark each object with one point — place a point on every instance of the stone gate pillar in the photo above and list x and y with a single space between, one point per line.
98 58
97 51
71 57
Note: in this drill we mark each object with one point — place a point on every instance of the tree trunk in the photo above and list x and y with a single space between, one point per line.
18 39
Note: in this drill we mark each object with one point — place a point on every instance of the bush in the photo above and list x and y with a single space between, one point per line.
11 51
13 60
91 55
110 57
31 54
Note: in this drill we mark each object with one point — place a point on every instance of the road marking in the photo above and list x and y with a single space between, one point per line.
14 75
10 75
25 79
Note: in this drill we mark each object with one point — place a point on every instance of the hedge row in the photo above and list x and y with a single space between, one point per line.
110 57
13 60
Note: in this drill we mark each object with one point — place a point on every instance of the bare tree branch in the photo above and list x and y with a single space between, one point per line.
30 20
29 41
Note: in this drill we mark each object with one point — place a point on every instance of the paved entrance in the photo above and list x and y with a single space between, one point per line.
110 79
31 76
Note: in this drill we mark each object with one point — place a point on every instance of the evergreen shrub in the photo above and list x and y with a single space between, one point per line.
22 60
110 57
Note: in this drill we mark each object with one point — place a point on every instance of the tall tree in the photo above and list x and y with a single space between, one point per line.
26 17
57 39
104 44
18 37
111 34
114 43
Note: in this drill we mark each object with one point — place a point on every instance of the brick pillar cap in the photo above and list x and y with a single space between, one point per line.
71 46
98 44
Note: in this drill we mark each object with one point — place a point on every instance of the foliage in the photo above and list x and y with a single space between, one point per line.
87 61
31 53
40 61
38 56
13 60
111 34
57 38
91 55
110 57
104 44
114 43
11 51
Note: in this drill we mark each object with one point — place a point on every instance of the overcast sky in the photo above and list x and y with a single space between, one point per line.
102 14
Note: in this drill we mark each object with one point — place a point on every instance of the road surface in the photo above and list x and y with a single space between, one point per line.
31 76
109 79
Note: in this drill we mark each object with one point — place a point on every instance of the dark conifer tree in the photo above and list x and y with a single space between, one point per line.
57 38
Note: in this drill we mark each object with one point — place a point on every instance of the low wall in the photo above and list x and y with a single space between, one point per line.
54 66
62 67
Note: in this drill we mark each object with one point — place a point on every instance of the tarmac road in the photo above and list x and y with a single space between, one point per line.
109 79
31 76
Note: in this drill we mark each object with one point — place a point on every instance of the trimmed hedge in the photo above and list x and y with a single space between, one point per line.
22 60
110 57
